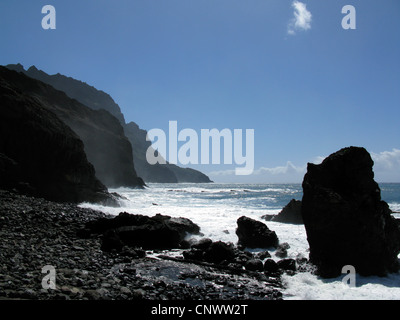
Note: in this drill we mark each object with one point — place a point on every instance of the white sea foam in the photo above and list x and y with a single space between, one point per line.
216 208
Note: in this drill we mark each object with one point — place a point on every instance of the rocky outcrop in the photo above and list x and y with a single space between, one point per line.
150 173
99 100
188 174
40 154
255 234
75 89
164 173
291 213
105 144
158 232
346 221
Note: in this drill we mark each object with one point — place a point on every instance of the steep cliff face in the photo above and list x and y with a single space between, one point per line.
105 144
167 173
149 173
96 100
81 91
41 155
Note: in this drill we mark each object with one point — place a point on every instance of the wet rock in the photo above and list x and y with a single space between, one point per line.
219 251
262 255
254 265
255 234
281 251
291 213
202 244
270 266
158 232
35 232
287 264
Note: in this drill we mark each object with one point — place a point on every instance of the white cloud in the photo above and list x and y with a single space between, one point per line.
289 173
386 169
387 165
302 18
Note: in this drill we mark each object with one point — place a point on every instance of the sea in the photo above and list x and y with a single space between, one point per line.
215 207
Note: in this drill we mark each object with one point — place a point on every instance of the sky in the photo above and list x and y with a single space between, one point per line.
286 69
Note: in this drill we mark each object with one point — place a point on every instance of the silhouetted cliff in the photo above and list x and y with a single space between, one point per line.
106 146
39 154
96 99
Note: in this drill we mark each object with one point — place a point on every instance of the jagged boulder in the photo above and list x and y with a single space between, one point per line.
255 234
134 230
346 221
291 213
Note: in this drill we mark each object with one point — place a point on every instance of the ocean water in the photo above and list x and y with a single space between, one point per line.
216 208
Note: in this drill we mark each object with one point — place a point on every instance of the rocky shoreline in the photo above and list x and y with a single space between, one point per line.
36 233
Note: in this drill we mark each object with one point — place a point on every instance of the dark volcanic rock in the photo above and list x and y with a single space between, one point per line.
219 251
36 232
158 232
287 264
41 151
254 265
346 221
281 251
255 234
98 100
270 266
291 213
105 143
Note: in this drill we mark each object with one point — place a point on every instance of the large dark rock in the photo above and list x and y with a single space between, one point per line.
213 252
158 232
255 234
291 213
346 221
40 151
219 251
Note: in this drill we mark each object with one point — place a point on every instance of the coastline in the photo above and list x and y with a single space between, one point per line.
37 233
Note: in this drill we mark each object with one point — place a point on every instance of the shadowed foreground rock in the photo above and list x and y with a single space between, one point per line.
346 221
35 232
158 232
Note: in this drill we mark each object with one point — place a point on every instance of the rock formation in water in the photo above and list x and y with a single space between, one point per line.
255 234
346 221
291 213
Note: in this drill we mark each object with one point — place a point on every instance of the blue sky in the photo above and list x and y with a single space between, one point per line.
235 64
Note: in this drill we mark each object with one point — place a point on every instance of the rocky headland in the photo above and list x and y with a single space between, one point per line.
106 134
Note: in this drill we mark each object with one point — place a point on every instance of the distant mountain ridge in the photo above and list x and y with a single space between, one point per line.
97 99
